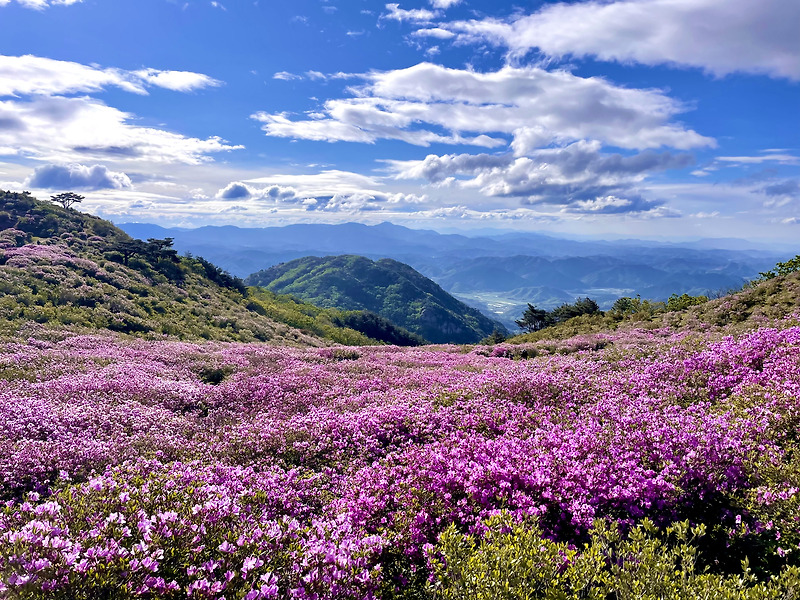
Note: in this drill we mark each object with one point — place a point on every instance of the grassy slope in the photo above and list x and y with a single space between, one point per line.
753 306
57 268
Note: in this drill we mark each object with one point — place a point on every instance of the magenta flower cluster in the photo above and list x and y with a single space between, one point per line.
321 474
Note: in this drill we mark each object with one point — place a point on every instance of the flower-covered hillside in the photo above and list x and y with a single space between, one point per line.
72 271
144 469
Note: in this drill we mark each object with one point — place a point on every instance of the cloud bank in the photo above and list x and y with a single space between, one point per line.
77 177
532 106
718 36
42 118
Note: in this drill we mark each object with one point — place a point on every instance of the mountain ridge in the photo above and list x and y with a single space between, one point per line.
453 260
386 287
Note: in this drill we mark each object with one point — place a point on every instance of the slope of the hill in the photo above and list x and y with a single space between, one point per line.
71 270
386 287
759 302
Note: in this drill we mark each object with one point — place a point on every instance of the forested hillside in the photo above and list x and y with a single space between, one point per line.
389 288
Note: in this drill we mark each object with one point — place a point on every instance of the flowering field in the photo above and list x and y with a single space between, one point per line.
164 469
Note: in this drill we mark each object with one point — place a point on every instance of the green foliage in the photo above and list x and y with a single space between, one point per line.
215 273
782 268
377 328
534 319
637 309
684 301
581 306
496 337
514 561
67 199
305 316
23 212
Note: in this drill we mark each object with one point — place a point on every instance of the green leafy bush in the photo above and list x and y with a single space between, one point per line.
512 560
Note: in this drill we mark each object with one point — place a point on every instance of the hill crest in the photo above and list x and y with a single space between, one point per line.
387 287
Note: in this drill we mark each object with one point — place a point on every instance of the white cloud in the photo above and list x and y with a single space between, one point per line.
177 81
27 75
75 176
286 76
64 130
533 106
767 157
326 183
578 176
235 190
417 15
41 4
329 191
434 32
445 4
718 36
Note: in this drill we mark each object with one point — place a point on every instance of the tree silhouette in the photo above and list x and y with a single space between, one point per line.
534 319
67 199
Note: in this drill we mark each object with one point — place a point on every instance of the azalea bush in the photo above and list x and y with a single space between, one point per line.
162 469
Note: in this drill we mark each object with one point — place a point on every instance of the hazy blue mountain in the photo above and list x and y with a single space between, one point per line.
386 287
495 269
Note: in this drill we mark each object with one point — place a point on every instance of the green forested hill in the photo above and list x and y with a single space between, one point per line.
386 287
71 271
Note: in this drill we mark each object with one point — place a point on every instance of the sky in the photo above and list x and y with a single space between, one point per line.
638 118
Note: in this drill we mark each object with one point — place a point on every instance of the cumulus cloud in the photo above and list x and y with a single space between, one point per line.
35 75
59 129
324 183
417 15
41 4
434 32
235 190
532 106
445 4
177 81
555 127
328 191
578 176
614 205
718 36
76 176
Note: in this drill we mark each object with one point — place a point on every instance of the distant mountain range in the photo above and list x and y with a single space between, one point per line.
386 287
496 272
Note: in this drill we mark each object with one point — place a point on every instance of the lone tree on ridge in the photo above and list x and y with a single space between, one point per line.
67 199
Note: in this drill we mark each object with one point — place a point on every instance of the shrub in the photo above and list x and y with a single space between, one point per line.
513 560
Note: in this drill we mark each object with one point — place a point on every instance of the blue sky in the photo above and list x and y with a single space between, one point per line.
673 118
